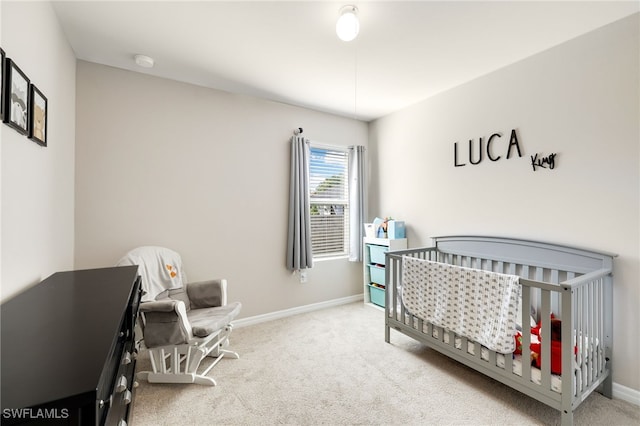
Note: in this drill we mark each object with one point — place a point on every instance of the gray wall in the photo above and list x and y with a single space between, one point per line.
579 100
201 171
37 184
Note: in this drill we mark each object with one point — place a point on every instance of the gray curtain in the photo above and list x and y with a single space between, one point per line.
299 255
357 201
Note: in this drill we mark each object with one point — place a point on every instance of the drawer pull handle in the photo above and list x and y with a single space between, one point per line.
103 403
126 358
121 385
126 397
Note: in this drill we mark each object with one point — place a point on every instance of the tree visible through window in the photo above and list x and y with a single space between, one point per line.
329 202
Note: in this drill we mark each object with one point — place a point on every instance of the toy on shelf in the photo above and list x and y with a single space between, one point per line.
388 228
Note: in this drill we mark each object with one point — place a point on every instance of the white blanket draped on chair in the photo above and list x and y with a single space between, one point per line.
480 305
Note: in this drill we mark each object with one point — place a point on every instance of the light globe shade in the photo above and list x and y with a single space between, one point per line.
348 25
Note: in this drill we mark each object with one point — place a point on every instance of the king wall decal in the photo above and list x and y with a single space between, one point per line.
477 155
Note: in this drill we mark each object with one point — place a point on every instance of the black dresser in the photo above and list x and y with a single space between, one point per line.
68 349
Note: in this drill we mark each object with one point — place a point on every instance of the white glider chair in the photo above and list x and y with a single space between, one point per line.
181 323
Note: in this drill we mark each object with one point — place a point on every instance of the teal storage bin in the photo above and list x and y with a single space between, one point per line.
376 253
377 274
376 295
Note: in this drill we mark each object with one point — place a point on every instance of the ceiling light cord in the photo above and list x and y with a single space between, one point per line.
355 83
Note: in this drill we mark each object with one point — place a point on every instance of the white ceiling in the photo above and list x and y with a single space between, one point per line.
407 51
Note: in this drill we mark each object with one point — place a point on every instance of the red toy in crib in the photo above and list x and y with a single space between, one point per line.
556 346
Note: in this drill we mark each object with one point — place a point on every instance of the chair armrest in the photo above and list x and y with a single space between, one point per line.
207 294
165 323
163 305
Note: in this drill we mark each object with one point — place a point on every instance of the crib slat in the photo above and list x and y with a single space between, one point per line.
601 331
579 325
400 309
526 335
508 363
477 350
590 336
586 333
555 299
569 300
492 358
545 340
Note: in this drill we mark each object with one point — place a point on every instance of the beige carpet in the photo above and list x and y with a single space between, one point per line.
333 367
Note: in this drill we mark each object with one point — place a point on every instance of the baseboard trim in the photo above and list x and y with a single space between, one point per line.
626 394
619 392
257 319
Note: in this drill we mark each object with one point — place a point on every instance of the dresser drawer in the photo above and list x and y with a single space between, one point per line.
121 397
121 387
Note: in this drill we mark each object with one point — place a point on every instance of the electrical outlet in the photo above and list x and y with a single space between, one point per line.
303 276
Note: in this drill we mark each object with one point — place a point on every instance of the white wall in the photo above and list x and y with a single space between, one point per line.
37 183
203 172
579 100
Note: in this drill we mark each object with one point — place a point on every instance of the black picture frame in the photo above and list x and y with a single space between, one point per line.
37 116
2 55
16 97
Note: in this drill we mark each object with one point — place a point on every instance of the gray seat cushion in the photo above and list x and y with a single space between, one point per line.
208 320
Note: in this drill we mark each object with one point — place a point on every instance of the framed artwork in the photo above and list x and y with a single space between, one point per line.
16 97
37 116
1 84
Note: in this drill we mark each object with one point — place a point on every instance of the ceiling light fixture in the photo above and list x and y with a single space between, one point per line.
144 61
348 24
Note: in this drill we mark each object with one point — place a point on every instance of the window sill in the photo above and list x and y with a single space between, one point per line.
322 259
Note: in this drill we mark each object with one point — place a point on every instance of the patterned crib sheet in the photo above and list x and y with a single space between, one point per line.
480 305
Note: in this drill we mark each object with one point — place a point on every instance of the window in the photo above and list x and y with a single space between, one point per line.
329 201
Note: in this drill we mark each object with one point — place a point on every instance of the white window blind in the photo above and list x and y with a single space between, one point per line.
329 201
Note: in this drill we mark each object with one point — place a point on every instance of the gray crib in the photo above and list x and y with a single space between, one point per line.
574 284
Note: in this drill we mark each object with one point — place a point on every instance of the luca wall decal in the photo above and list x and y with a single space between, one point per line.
16 98
478 151
477 159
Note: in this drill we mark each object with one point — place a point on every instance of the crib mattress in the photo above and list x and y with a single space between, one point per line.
536 374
